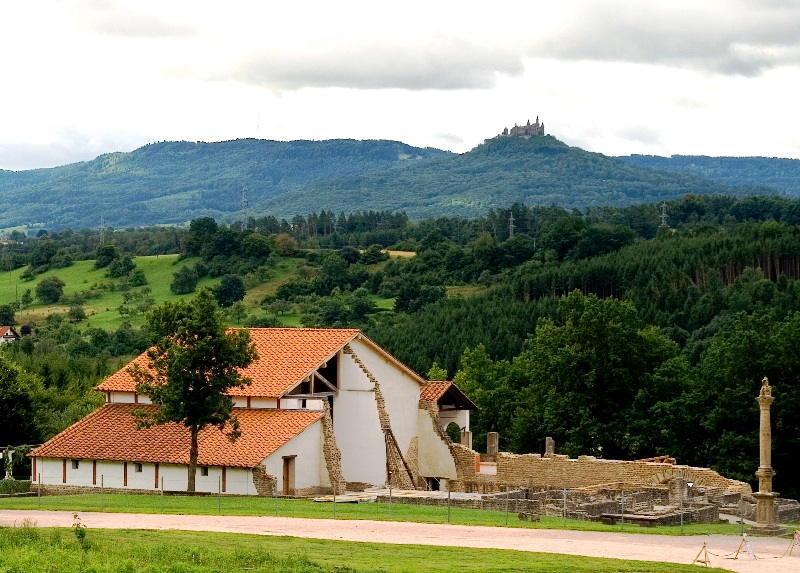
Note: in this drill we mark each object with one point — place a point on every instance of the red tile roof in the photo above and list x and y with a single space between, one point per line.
5 329
434 390
285 357
447 393
109 433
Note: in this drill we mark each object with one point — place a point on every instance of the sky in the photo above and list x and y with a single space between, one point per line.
81 78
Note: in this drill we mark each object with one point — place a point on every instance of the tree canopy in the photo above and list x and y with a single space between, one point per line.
194 362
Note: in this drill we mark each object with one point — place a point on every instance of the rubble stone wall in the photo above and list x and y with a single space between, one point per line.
533 470
331 453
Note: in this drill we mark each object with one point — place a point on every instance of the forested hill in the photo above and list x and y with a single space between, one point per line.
782 175
173 182
499 172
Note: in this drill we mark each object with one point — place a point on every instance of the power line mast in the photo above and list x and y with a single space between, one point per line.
510 224
664 216
244 204
102 230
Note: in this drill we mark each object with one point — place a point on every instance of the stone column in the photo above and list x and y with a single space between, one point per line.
765 497
492 443
466 438
549 447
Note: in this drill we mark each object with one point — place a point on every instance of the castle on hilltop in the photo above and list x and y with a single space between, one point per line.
525 131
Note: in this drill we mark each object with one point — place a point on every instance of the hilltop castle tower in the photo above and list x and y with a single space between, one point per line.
525 131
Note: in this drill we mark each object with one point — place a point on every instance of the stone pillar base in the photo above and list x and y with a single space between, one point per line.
766 530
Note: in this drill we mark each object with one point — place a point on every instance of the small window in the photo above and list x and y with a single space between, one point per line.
137 468
75 464
204 471
303 403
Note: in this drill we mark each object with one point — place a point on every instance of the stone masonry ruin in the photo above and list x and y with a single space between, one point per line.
650 492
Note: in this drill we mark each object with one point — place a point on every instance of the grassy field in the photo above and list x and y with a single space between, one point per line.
102 312
81 275
29 549
234 505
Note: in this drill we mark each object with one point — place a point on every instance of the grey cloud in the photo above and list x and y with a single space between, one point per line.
457 65
742 38
449 138
640 134
70 147
115 18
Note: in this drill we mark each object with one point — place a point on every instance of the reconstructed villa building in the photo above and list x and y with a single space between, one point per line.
327 409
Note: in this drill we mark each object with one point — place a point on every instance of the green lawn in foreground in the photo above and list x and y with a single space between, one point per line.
235 505
29 549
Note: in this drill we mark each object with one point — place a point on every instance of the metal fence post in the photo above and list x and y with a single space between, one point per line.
506 507
334 499
390 499
565 506
162 494
39 490
448 505
102 492
219 495
622 521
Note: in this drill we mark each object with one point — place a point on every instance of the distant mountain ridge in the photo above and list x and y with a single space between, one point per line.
497 173
782 175
173 182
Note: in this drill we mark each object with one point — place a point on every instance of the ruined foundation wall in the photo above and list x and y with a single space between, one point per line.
265 484
533 470
331 452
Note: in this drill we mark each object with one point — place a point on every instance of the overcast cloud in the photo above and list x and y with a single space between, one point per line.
86 77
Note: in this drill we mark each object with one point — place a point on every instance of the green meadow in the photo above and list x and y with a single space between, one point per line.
102 311
30 549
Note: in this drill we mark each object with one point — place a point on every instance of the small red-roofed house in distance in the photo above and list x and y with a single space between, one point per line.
327 409
8 334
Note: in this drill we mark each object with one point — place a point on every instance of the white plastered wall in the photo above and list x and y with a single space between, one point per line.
460 417
111 474
309 464
129 398
433 454
301 404
241 402
355 414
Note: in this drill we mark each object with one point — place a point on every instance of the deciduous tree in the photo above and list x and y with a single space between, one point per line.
194 363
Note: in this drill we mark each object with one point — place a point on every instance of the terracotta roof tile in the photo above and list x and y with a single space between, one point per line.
109 433
433 390
285 357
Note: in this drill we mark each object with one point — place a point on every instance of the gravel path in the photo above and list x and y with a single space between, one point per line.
590 543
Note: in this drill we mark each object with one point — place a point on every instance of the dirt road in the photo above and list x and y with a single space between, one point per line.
590 543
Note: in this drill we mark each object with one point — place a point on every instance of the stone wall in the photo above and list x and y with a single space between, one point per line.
78 489
465 468
265 484
533 470
331 453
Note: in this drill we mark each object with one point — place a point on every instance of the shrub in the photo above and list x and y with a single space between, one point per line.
230 289
50 290
184 280
14 486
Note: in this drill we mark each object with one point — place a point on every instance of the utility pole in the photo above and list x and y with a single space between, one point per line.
244 203
102 230
664 215
510 224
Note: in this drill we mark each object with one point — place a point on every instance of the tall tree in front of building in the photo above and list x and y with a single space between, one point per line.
194 361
